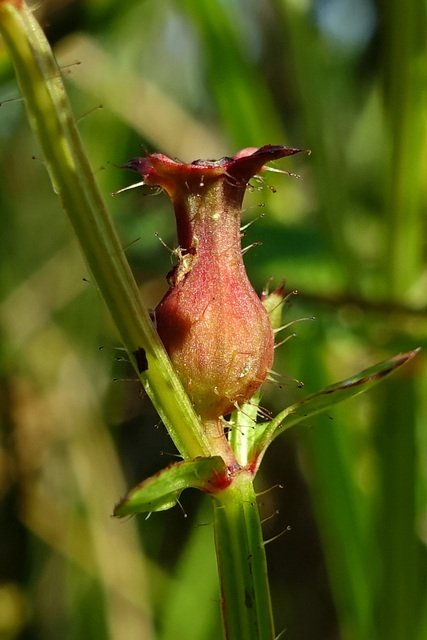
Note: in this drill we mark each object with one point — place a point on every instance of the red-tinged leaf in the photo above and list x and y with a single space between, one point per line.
323 400
162 491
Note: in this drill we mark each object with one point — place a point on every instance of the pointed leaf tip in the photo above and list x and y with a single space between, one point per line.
323 400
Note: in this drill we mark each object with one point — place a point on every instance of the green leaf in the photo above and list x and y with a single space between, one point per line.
323 400
162 491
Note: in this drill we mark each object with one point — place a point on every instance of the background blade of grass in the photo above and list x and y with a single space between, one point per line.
404 54
196 568
241 94
401 567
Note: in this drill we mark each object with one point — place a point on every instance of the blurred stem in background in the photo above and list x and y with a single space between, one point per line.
403 35
403 77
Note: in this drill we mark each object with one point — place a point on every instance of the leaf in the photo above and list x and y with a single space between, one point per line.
162 491
325 399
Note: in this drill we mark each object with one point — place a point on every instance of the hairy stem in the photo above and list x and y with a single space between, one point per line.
54 125
245 594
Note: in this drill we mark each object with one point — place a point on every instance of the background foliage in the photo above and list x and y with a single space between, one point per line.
201 79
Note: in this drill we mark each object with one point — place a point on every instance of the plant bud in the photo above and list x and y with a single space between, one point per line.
212 324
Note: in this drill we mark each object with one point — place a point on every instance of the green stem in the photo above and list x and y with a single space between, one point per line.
404 50
53 123
245 594
242 430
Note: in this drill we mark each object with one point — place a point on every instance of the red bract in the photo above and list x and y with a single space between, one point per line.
213 325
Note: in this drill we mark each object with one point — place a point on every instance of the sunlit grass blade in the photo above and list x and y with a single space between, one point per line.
404 95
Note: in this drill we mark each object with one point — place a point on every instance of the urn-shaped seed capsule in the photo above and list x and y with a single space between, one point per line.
212 324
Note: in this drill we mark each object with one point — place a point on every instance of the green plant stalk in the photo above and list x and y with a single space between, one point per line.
404 50
244 587
249 119
245 594
54 125
311 79
242 430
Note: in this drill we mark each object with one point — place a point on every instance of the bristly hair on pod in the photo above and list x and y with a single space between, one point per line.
212 323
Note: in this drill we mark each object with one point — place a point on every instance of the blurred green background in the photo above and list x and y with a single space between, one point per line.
202 79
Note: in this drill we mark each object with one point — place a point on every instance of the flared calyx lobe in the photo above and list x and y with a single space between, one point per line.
213 325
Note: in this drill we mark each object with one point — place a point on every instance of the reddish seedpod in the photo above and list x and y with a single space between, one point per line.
212 323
